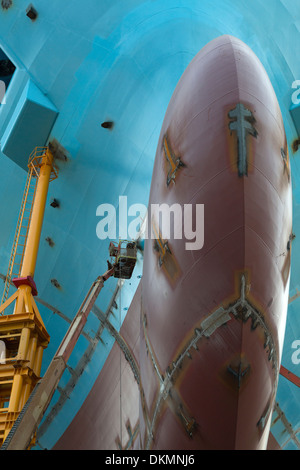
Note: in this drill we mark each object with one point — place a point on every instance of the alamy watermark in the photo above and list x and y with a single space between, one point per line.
296 94
296 344
2 92
296 354
177 221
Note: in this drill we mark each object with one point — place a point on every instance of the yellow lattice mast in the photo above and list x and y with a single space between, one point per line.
23 336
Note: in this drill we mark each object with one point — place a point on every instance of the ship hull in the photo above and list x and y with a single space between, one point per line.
213 318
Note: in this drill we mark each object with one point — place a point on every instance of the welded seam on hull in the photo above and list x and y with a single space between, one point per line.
242 310
150 350
123 346
132 435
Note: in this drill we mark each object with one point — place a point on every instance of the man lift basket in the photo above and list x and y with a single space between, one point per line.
124 254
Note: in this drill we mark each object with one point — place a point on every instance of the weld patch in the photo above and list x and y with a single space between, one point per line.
214 321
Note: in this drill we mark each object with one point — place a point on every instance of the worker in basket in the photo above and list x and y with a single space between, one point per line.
125 258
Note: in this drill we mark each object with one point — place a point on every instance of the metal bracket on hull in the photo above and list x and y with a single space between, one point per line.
238 372
241 122
160 245
174 162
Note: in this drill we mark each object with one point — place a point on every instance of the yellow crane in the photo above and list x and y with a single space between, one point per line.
23 336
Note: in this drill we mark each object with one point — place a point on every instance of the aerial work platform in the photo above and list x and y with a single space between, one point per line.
125 254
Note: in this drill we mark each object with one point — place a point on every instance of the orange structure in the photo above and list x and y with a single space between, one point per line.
22 333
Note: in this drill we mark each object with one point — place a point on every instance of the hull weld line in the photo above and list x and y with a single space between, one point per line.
241 309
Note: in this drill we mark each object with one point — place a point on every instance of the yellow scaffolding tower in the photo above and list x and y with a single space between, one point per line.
23 336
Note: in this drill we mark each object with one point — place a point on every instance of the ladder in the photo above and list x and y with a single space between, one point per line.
19 243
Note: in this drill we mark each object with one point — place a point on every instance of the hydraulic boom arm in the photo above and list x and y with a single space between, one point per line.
22 433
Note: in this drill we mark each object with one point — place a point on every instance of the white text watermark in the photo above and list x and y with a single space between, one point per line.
296 94
296 353
2 92
178 221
